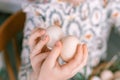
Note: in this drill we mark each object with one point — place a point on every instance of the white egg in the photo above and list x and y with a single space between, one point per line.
106 75
55 33
95 78
69 44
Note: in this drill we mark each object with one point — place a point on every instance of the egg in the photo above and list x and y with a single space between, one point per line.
55 33
106 75
95 78
117 75
69 45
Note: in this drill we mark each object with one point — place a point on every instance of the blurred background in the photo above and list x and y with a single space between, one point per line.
10 6
11 17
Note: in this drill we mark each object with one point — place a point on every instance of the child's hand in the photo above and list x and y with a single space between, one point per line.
38 49
45 64
51 70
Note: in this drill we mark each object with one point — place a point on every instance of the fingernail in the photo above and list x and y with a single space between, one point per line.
44 37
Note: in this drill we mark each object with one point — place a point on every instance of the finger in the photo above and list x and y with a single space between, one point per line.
45 49
85 52
37 49
34 37
85 55
54 54
36 29
84 59
72 64
58 65
36 61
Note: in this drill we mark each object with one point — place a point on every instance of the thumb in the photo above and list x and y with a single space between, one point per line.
54 54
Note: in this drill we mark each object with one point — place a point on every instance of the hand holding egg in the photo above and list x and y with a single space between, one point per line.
69 43
45 62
